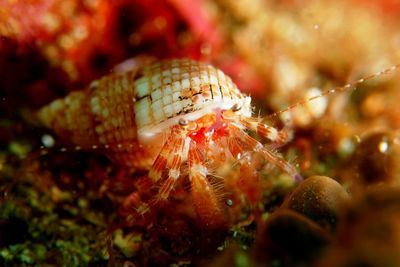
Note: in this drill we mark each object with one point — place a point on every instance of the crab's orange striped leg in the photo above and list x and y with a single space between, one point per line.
205 199
160 163
236 147
174 165
254 124
173 156
254 145
170 158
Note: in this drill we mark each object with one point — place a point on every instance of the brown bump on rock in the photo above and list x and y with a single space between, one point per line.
320 198
290 238
377 158
369 232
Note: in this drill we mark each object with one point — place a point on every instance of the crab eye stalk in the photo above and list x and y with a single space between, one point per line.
236 107
183 122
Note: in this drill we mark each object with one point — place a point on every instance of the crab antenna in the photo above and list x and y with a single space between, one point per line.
338 89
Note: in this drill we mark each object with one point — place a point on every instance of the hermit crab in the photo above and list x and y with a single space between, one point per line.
166 116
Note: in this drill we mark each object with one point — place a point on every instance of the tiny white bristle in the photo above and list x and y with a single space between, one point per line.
48 140
229 202
201 169
173 173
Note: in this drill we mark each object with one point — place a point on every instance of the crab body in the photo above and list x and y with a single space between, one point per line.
160 116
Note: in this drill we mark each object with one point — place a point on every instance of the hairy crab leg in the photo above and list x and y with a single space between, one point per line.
254 145
236 147
170 157
161 161
204 197
265 131
174 161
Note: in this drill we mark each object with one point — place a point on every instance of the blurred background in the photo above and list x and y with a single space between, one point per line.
55 211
